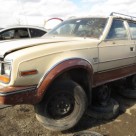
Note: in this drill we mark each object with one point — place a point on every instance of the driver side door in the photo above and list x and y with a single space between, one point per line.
118 50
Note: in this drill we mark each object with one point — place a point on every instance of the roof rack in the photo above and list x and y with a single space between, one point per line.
123 16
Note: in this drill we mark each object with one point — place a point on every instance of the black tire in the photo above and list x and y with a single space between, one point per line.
101 95
128 93
109 111
131 82
59 119
87 133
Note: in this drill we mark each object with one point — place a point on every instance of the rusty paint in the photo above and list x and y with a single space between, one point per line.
33 97
12 88
18 95
20 98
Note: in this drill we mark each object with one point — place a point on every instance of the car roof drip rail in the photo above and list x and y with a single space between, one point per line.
120 15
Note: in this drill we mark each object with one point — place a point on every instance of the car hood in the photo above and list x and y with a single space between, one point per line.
14 45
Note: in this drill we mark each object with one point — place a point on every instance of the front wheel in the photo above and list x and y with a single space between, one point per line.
62 107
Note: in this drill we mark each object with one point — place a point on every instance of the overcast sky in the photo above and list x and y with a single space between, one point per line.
34 12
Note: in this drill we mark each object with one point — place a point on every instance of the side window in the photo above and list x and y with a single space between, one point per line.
9 34
132 27
117 30
36 32
21 33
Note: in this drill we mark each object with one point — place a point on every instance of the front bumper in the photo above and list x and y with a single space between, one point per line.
18 95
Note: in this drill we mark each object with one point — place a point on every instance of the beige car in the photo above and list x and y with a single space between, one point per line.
56 73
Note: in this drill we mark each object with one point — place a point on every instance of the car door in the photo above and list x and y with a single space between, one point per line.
117 50
132 28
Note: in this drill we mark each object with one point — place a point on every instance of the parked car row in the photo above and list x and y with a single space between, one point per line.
26 31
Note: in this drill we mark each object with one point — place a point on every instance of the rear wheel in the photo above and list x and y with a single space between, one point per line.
128 93
101 95
106 112
131 81
62 107
128 89
103 107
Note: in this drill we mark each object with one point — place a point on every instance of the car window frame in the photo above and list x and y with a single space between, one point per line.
129 21
126 27
28 29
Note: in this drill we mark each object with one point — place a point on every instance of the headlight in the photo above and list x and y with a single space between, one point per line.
5 71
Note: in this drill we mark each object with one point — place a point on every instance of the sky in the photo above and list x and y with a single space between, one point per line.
37 12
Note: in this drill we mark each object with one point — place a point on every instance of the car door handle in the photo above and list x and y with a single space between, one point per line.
131 48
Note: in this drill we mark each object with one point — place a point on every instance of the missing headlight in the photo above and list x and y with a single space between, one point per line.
5 71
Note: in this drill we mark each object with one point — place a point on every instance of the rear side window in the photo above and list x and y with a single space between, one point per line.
16 33
117 30
21 33
132 27
36 32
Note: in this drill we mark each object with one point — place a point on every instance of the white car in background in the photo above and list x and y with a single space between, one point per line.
18 32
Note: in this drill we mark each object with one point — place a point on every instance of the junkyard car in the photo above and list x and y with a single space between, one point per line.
19 32
56 73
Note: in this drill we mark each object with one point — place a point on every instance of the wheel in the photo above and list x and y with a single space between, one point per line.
131 82
128 93
62 107
106 112
128 89
101 95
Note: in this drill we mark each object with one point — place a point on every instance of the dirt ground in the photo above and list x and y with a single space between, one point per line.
20 121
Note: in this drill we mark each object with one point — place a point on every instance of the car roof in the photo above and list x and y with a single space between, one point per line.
85 17
24 26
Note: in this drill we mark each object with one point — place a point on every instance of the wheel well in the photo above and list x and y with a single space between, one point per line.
80 76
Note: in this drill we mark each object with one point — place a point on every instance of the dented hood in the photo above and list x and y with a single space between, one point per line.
7 47
10 46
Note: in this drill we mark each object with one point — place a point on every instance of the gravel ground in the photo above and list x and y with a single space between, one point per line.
20 121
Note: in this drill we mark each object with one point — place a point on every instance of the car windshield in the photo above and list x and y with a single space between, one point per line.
84 27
